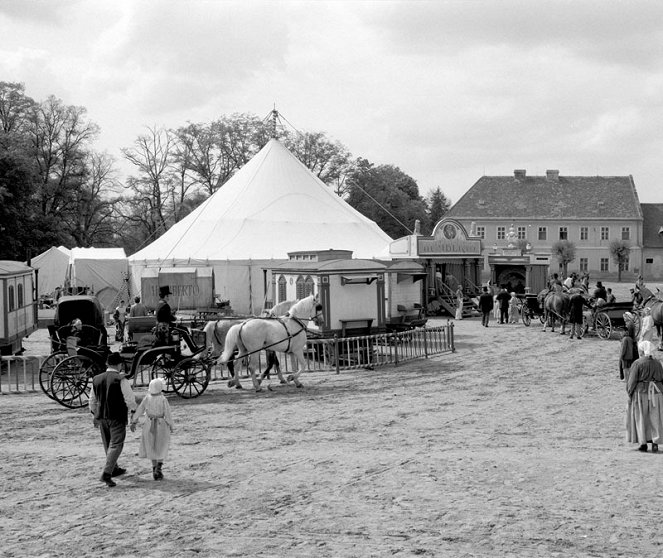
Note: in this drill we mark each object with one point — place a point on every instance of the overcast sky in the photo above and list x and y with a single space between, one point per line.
446 90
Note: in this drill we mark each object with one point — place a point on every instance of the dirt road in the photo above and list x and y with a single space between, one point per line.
512 446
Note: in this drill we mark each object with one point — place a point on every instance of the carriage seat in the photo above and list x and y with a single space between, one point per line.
412 314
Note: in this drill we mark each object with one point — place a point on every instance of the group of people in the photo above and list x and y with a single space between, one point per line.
113 406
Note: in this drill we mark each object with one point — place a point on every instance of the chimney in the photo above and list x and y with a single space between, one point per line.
520 174
552 174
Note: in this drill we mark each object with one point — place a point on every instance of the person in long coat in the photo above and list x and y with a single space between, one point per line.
577 303
644 415
628 353
485 305
158 424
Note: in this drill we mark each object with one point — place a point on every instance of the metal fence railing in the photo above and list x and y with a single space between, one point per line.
21 374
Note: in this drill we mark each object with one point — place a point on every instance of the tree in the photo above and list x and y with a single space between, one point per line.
388 196
438 205
619 251
330 161
151 191
565 252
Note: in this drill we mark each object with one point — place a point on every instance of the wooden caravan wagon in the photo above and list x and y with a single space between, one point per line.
18 305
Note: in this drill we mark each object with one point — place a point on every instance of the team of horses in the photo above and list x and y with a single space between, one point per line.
282 329
556 305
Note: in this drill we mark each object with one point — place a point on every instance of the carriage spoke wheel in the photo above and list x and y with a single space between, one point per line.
603 325
162 368
70 381
525 315
637 326
191 377
47 368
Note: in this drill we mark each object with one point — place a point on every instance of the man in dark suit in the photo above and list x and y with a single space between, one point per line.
485 305
111 399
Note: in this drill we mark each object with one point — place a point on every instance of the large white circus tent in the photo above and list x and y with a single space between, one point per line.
272 206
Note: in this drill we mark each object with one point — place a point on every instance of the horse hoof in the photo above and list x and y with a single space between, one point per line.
299 385
231 383
283 382
239 387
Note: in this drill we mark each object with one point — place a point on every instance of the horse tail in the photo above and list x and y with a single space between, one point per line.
209 335
232 342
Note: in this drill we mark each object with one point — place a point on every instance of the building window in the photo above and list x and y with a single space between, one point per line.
584 264
309 286
481 232
626 233
522 233
604 264
605 233
20 296
282 289
649 260
625 264
10 296
501 233
563 233
543 233
301 284
584 233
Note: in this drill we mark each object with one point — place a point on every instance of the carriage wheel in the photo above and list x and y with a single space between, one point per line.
191 377
603 325
162 368
70 381
47 368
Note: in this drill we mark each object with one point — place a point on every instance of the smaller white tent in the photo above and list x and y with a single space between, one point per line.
105 271
52 267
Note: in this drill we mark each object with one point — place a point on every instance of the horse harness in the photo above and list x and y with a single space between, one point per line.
288 336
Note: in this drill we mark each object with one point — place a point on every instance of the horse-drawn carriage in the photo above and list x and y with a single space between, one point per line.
609 317
79 352
530 308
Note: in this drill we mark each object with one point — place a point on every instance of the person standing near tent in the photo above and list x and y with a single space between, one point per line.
165 317
120 317
137 309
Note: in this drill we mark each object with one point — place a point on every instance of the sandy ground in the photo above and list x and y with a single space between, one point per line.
512 446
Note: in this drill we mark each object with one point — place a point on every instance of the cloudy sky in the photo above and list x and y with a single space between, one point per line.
447 90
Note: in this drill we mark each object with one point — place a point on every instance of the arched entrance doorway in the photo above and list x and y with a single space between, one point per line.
513 277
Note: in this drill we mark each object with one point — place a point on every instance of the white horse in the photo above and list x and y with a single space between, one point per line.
285 335
215 338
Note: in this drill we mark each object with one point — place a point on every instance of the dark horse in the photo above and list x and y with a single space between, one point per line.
655 304
556 305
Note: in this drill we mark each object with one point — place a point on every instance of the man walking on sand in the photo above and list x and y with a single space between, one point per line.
111 399
485 305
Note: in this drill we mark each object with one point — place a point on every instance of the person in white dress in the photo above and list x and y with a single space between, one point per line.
157 427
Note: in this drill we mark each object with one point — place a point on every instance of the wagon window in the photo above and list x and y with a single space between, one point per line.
300 288
20 295
282 289
309 286
10 295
